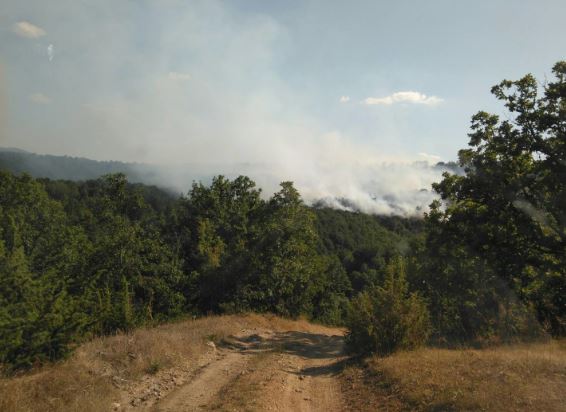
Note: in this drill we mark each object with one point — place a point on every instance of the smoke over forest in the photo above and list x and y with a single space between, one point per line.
402 189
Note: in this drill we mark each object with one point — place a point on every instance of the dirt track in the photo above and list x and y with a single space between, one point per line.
265 371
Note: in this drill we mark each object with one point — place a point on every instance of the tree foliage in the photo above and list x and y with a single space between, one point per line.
497 242
89 258
386 318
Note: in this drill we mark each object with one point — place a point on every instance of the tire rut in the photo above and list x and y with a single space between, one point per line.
201 391
265 371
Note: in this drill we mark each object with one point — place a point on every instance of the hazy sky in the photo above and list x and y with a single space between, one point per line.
306 85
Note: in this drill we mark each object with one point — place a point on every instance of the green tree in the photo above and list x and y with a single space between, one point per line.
216 229
286 254
387 318
38 318
132 276
330 290
499 234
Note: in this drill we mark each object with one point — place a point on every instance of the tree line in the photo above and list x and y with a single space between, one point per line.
487 262
80 259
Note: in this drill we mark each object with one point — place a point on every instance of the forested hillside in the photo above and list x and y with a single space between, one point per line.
87 258
74 168
80 259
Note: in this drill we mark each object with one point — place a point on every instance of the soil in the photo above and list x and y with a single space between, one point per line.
255 370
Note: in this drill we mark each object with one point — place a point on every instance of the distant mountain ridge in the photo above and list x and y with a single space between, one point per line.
72 168
13 150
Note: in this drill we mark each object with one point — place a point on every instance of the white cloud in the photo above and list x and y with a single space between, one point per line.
28 30
40 98
430 157
404 97
344 99
179 76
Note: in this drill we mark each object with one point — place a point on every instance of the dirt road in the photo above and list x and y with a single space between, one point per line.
262 370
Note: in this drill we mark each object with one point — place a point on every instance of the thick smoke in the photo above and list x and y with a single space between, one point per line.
198 92
402 189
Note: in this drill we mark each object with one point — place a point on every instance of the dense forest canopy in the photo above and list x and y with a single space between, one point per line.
79 259
87 258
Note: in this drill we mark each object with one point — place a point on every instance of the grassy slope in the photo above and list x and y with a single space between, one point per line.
524 377
507 378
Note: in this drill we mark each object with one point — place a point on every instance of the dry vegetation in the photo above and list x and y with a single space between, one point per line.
505 378
90 379
525 377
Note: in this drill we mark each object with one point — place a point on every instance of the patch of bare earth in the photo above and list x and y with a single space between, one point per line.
288 371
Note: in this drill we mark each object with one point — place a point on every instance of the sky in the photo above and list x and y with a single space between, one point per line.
341 97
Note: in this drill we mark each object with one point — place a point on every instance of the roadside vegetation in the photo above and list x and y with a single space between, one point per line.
491 263
491 271
517 377
384 319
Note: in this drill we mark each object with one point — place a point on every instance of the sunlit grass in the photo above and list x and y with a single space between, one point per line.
525 377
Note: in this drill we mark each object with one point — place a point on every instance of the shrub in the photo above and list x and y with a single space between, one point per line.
387 318
153 367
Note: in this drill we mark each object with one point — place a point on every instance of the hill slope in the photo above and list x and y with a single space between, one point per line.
260 363
71 168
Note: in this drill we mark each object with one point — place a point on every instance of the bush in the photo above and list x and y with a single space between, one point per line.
388 318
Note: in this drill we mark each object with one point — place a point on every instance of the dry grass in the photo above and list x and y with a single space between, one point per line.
506 378
87 381
525 377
